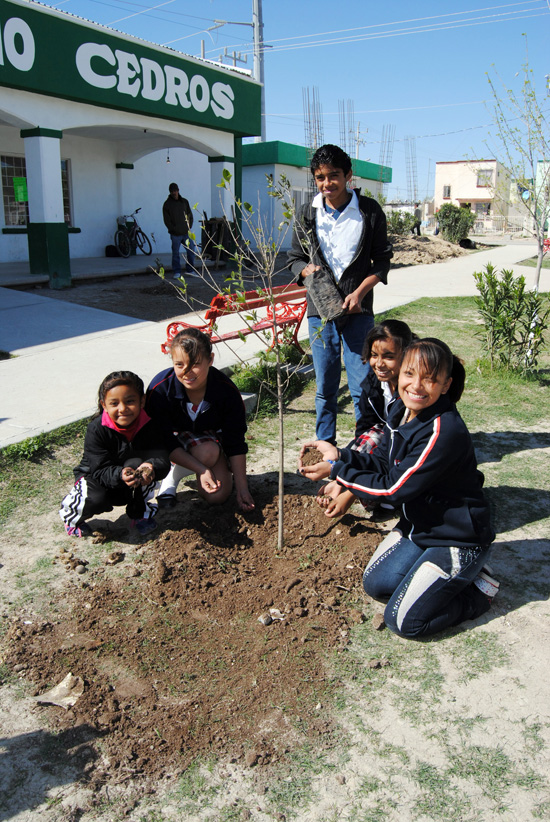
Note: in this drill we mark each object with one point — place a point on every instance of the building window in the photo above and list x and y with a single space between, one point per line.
484 177
483 209
14 191
67 216
297 197
446 192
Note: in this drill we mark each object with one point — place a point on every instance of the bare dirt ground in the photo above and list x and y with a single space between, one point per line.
175 662
147 297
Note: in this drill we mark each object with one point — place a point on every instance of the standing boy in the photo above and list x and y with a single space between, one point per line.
345 235
178 219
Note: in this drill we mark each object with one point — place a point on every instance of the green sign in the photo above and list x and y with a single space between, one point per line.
20 189
47 52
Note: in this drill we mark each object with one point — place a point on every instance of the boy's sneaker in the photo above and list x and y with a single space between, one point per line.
166 501
487 584
81 530
145 526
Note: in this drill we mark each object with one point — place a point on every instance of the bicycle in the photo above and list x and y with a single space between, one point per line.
128 238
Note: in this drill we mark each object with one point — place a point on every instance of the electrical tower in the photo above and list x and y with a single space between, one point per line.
313 127
346 117
410 158
386 154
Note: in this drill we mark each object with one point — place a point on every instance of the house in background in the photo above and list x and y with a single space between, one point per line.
486 188
275 158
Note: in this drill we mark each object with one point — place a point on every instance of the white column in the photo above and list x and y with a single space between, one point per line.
43 161
222 199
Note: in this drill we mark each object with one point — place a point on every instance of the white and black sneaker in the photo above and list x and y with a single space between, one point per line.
486 583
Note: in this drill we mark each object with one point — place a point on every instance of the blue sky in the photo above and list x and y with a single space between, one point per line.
417 69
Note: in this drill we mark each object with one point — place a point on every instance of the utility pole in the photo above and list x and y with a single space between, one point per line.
258 73
258 52
358 140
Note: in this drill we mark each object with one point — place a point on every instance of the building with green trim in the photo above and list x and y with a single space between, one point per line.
95 123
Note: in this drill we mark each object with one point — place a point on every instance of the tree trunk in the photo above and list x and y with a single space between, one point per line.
540 256
280 530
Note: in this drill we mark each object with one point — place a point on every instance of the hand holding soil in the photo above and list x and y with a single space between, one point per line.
312 462
144 475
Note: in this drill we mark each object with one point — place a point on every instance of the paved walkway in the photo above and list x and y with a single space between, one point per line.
62 351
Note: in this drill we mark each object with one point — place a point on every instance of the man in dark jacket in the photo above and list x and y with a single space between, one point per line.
178 219
342 237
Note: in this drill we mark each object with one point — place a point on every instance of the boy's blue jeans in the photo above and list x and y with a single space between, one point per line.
326 348
177 241
427 590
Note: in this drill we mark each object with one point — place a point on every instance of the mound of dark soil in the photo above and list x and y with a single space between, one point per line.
175 661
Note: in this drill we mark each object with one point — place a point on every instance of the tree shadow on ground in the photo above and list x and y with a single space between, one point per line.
514 506
33 764
493 446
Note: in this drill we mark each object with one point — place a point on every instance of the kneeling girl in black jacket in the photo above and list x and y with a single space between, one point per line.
124 456
431 567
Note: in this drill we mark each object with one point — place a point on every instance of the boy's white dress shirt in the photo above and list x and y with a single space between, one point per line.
338 238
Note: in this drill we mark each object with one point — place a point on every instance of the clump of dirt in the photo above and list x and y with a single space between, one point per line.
311 456
175 659
422 250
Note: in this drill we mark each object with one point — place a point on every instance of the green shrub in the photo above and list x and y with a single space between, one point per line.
400 223
261 378
454 222
514 319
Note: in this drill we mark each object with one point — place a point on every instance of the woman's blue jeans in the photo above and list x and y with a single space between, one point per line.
327 343
427 590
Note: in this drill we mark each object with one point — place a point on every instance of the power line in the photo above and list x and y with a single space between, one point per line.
407 31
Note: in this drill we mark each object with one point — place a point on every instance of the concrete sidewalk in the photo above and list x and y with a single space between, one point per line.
62 351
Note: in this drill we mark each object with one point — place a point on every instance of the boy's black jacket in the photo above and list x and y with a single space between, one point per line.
106 451
373 254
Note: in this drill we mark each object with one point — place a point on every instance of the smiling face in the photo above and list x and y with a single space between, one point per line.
385 360
192 378
123 404
417 388
331 182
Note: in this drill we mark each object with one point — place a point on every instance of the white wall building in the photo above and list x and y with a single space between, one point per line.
87 118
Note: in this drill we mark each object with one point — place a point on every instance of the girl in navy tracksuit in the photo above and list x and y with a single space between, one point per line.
119 440
431 567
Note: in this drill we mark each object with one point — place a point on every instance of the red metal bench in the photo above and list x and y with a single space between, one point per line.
285 310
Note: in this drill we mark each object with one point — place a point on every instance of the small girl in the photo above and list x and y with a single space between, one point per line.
204 419
431 567
123 458
383 350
